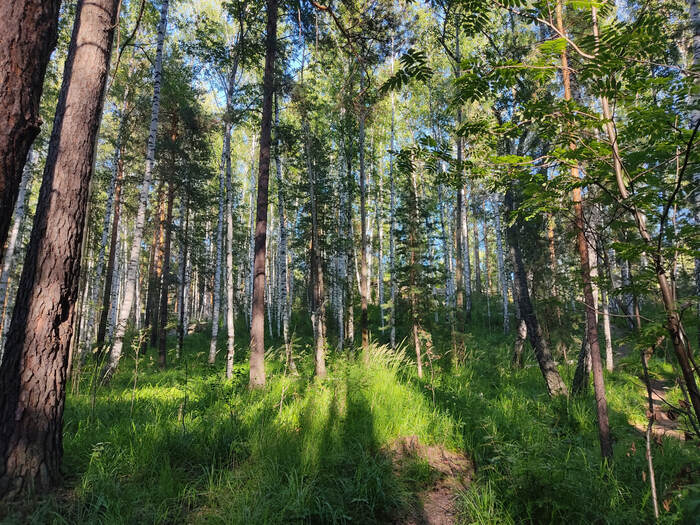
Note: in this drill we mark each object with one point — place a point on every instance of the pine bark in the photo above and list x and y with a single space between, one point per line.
257 322
28 30
33 372
127 305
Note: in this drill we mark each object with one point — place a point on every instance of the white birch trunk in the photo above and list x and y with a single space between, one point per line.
230 341
134 257
216 302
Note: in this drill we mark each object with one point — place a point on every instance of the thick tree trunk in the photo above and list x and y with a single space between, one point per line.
165 284
553 380
28 31
257 322
127 305
33 372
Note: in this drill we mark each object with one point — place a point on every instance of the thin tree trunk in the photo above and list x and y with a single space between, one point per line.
477 261
553 380
33 372
285 298
127 304
591 324
257 322
113 248
216 301
9 259
184 275
501 268
230 341
165 286
392 218
29 30
380 249
364 288
413 278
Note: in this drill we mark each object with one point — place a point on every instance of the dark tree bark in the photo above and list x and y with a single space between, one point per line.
28 31
555 384
109 273
164 287
257 323
33 372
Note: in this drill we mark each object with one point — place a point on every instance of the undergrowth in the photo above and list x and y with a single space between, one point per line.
194 447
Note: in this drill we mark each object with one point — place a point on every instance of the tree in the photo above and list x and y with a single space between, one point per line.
28 29
127 304
257 323
34 369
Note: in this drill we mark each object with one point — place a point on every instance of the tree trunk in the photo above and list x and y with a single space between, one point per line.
477 261
28 29
184 275
157 268
165 285
392 227
501 269
9 260
694 118
591 324
127 305
555 385
364 288
285 298
257 322
216 300
317 292
412 273
230 339
33 372
113 248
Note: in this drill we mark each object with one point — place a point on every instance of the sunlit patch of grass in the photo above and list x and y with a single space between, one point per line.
195 447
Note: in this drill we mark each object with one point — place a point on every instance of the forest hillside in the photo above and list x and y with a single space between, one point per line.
369 261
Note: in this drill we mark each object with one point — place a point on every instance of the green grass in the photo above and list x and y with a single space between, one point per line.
197 448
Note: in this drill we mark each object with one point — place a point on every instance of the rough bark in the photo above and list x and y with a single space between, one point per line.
28 30
33 372
127 305
257 322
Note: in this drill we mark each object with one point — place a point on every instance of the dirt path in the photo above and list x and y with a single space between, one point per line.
452 472
665 418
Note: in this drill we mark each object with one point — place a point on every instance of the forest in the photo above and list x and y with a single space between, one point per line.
327 261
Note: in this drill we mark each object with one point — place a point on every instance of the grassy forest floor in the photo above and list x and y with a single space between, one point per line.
185 445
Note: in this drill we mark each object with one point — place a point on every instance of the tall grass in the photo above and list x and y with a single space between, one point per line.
198 448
